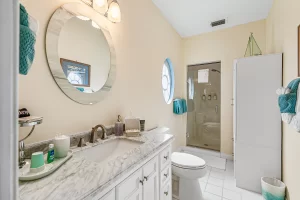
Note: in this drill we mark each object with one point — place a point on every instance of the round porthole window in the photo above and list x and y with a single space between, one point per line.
167 80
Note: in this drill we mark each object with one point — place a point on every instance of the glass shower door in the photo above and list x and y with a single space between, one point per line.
204 105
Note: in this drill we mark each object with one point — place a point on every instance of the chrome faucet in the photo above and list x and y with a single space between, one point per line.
94 132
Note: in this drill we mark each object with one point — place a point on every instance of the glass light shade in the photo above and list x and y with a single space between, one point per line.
95 25
100 6
84 18
114 12
100 3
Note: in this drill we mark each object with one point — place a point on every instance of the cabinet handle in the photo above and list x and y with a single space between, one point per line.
146 178
166 193
142 182
166 157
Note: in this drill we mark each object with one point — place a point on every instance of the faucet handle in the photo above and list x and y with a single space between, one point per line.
81 143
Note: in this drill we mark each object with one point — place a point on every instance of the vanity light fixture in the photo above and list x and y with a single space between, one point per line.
101 3
109 8
114 12
100 6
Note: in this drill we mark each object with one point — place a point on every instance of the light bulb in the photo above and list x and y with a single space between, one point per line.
84 18
100 3
95 25
114 12
100 6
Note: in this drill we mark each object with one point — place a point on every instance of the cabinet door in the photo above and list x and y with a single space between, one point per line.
111 195
151 182
131 188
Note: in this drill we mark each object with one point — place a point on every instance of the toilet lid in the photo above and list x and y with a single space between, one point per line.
187 161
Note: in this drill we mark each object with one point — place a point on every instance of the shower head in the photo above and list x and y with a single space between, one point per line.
214 70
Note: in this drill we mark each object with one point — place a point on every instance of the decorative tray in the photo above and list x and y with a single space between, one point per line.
26 175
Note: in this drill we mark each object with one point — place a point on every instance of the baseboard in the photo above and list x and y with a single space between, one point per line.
226 156
200 150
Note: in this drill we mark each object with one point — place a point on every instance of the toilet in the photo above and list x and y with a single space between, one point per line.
189 169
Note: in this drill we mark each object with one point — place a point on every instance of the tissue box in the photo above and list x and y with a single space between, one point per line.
132 127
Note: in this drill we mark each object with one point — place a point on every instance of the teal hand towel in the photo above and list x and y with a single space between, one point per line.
27 42
287 102
179 106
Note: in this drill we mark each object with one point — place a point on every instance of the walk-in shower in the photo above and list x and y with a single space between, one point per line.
204 106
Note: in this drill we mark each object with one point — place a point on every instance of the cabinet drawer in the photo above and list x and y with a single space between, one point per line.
166 192
165 175
165 157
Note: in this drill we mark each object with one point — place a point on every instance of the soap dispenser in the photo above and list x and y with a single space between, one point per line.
119 127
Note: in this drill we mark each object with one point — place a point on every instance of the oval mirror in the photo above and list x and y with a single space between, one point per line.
80 53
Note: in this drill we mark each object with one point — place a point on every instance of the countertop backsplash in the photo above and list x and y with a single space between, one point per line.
74 138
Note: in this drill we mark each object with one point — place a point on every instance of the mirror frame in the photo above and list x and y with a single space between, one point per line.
56 23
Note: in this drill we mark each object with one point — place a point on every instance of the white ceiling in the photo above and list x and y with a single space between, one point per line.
193 17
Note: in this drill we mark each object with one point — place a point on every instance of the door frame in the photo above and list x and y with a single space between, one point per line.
186 94
9 62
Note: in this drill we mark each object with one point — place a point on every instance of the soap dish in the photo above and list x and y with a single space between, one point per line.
26 175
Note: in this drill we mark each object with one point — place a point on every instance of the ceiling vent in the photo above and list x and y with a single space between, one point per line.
218 23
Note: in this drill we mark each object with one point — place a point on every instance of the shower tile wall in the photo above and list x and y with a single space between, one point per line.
203 118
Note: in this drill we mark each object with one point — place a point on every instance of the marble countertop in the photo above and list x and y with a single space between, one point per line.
79 178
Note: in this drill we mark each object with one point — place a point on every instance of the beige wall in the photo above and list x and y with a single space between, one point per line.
143 40
282 25
225 46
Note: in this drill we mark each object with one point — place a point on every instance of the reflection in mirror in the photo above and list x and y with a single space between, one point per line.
84 54
81 53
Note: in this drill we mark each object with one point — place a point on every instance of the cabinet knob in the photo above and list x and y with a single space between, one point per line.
166 175
146 178
166 193
166 157
142 182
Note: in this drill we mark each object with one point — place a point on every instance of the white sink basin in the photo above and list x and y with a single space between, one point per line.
108 150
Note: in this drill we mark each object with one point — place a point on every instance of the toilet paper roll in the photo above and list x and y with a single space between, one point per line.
61 146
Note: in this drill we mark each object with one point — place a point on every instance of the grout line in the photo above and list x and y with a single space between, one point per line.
214 194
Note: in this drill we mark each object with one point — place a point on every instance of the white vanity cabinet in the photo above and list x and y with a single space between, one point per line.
152 181
142 184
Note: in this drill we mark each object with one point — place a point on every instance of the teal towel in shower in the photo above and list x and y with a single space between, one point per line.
287 102
27 42
179 106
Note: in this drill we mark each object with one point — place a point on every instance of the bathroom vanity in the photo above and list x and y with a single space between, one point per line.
118 168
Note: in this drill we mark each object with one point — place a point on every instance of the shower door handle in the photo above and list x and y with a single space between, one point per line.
217 109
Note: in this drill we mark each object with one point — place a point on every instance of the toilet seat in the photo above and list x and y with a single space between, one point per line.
187 161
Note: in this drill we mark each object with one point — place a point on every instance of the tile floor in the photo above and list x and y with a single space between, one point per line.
220 185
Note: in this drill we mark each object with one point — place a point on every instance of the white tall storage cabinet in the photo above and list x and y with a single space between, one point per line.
257 121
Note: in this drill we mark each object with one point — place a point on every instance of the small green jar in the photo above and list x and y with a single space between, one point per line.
50 156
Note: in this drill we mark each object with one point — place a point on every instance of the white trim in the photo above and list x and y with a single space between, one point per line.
9 62
200 150
226 156
206 152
